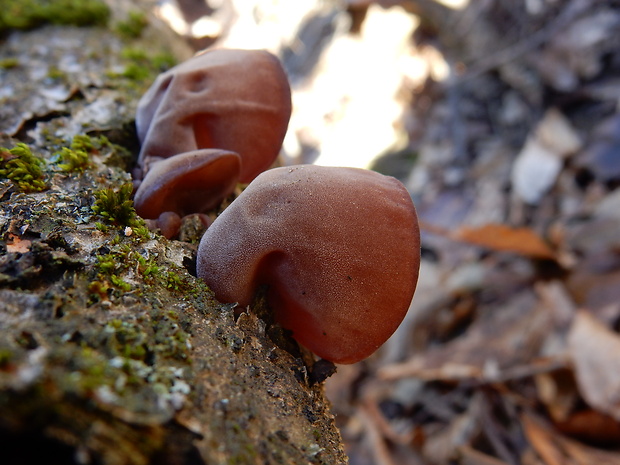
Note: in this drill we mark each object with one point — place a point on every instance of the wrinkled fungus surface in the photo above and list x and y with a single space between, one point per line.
236 100
338 248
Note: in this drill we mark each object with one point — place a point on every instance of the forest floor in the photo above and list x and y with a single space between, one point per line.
510 351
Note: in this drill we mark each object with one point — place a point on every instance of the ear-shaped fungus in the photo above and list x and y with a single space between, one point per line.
236 100
338 248
187 183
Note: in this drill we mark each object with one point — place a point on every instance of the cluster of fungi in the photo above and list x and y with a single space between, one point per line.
338 249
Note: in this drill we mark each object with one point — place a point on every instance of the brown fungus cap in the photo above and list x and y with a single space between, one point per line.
237 100
190 182
338 248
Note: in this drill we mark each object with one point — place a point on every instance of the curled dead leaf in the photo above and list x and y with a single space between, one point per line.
556 449
17 245
593 348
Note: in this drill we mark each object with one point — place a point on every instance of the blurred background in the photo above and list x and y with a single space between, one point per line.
353 67
501 118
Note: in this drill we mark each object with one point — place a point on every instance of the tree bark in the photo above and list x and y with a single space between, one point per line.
111 351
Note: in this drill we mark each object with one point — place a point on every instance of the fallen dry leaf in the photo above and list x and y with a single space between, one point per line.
503 345
474 457
556 449
594 350
538 164
541 439
592 427
17 245
535 171
557 134
557 390
500 237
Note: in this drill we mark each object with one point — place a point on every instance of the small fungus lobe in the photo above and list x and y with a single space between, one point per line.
338 248
189 182
233 100
168 224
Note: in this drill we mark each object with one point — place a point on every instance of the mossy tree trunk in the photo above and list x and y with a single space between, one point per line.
111 351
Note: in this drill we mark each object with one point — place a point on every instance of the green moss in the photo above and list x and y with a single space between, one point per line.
160 336
87 369
137 55
6 356
98 290
106 264
76 157
142 67
109 269
117 155
156 275
23 168
121 356
171 341
9 63
133 26
28 14
120 283
173 281
163 61
127 339
148 268
116 206
122 260
88 144
56 74
247 454
136 72
72 160
142 231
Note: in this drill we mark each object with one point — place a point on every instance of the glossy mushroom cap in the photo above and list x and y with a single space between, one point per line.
339 249
190 182
236 100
